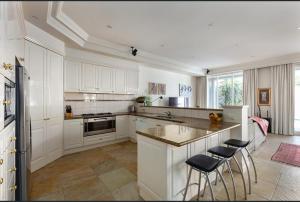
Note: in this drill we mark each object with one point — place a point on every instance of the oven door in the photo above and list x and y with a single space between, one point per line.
96 126
9 102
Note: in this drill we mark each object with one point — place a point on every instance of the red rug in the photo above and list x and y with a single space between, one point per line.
288 153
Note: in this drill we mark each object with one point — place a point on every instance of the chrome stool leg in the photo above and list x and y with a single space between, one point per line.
252 164
232 179
222 179
209 184
199 186
248 172
187 184
238 165
204 188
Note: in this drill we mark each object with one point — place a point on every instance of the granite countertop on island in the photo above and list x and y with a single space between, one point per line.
182 134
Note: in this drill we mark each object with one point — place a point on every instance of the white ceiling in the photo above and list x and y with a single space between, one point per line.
202 34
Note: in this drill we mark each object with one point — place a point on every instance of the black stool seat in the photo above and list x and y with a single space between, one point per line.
237 143
225 152
204 163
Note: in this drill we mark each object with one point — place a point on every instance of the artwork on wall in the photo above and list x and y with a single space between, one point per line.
157 88
185 90
264 96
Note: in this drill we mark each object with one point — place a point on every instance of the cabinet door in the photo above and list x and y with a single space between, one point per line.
54 87
73 133
54 138
88 79
35 62
122 126
120 81
105 80
132 82
1 105
38 155
72 76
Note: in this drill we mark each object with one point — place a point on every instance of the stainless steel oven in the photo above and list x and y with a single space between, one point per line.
99 125
9 101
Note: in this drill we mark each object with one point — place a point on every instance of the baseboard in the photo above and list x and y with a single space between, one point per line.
87 147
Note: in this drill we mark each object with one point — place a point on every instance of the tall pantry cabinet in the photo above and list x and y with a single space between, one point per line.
46 98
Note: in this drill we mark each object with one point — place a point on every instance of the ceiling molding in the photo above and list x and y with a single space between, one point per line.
65 25
285 59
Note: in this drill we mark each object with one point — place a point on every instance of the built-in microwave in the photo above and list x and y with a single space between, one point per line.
9 101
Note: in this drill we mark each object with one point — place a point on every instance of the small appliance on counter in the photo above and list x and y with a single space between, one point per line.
69 113
215 117
132 108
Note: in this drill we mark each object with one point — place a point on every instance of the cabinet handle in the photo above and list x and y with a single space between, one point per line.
1 161
6 102
13 138
13 188
7 66
13 151
1 180
46 119
12 170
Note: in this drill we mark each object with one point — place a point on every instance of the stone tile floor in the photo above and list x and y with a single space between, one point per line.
109 173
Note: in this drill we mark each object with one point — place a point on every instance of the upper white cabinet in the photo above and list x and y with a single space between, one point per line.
72 71
54 85
132 82
105 79
88 78
120 81
83 77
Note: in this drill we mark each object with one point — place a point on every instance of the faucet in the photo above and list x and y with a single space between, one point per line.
168 113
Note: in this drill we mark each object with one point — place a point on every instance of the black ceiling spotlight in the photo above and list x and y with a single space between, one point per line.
207 71
133 51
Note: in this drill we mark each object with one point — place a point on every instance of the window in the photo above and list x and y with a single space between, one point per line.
297 100
225 89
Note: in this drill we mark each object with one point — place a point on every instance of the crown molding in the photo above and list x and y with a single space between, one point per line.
65 25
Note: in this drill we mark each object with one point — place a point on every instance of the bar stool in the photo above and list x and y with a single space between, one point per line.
229 153
243 145
206 165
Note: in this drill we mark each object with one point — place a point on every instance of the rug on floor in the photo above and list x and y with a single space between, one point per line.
288 153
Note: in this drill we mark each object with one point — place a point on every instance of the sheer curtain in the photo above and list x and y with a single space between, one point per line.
250 83
282 103
202 92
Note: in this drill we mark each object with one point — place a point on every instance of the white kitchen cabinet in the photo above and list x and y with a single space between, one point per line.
120 81
35 62
72 76
38 138
73 133
132 82
132 127
88 78
46 103
1 98
122 126
54 85
105 79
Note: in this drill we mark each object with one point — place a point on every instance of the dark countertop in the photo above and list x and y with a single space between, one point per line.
181 134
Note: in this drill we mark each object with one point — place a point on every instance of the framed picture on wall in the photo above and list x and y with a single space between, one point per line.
264 96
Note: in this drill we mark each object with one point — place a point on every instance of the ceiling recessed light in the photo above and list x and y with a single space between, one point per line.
298 28
109 26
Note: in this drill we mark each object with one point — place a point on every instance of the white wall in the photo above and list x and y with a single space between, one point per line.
44 39
171 79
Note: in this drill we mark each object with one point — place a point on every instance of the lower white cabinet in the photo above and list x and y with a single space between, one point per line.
73 133
132 127
122 126
7 163
47 140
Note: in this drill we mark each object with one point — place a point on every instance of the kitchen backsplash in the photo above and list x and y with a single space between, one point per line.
82 103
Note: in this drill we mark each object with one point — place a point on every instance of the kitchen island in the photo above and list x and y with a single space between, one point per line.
163 150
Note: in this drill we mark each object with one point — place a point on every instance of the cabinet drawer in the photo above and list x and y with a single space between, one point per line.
99 138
